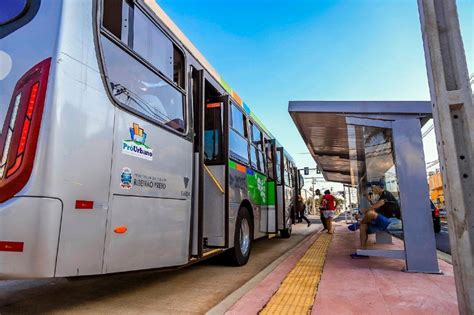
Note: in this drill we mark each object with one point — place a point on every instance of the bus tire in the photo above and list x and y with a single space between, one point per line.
285 233
239 255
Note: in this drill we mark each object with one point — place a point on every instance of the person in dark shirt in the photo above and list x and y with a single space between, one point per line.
300 209
380 216
390 207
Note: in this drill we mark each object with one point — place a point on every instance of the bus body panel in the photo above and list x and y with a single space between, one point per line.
32 217
81 145
214 206
233 212
289 197
154 237
161 165
280 212
256 184
238 192
151 192
272 219
251 186
195 236
34 223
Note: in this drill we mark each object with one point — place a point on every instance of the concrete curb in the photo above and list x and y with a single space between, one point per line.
235 296
444 257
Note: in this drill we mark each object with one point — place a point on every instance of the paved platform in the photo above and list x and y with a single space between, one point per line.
348 286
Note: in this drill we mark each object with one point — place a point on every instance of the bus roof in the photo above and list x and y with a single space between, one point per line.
166 20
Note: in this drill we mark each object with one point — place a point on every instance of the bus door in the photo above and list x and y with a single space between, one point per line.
283 200
197 88
280 188
272 224
215 172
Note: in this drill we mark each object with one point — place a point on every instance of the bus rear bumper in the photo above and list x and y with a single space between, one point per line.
29 235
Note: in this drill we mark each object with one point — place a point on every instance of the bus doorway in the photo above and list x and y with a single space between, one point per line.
215 175
210 202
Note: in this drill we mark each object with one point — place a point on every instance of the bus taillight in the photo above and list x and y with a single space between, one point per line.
21 129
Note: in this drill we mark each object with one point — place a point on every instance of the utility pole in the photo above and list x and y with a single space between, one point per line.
453 114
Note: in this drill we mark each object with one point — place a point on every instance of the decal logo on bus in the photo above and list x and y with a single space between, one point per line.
151 182
136 145
126 178
261 186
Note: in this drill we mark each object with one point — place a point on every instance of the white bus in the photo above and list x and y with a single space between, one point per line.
122 148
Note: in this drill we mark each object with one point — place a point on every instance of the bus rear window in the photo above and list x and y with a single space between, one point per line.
10 10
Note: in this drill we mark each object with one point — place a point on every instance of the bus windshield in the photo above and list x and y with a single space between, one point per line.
11 9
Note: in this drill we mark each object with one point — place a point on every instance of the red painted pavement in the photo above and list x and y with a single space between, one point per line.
361 286
377 286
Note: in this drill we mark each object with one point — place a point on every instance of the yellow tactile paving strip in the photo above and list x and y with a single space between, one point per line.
296 293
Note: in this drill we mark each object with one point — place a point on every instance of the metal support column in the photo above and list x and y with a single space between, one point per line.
453 114
420 245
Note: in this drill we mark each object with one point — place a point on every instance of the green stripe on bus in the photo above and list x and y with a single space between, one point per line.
226 86
260 124
232 164
257 188
271 193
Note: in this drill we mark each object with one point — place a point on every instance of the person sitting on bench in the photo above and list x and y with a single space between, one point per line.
381 216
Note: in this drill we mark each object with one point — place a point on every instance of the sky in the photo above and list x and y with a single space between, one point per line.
274 51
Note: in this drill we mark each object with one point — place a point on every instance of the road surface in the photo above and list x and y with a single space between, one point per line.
442 239
192 290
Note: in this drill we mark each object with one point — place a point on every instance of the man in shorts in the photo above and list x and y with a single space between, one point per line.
381 216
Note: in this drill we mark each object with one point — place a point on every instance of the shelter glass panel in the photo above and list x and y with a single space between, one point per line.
382 189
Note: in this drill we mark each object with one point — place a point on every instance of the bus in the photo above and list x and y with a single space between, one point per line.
123 149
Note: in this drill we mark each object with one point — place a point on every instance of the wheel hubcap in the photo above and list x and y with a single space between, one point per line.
244 237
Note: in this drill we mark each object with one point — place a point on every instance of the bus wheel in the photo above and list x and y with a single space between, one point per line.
239 255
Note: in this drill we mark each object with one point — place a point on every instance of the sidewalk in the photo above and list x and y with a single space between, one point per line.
347 286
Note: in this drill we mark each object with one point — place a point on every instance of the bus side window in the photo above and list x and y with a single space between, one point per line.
253 157
178 67
269 154
151 84
257 158
213 133
116 18
263 160
278 167
238 144
254 154
287 174
152 44
238 121
136 87
137 31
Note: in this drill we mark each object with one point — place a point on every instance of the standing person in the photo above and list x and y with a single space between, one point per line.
329 204
293 213
321 209
300 208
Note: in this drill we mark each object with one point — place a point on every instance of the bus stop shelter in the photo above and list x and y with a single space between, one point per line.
357 142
